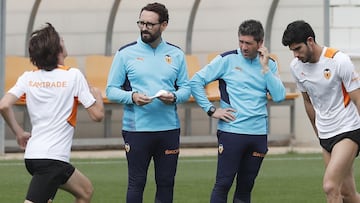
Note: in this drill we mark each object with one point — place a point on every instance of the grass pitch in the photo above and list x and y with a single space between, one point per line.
295 178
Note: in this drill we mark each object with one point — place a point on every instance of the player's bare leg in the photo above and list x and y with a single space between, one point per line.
338 168
348 189
79 186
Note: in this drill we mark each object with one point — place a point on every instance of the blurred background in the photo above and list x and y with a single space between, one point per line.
200 28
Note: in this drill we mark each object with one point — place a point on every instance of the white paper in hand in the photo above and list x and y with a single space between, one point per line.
158 94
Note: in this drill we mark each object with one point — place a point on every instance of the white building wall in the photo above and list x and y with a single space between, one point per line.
83 23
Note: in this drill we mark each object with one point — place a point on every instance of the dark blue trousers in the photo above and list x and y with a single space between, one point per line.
163 148
239 156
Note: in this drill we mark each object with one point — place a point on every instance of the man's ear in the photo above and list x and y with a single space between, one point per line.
163 26
310 40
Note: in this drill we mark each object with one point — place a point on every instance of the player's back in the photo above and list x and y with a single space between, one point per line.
51 99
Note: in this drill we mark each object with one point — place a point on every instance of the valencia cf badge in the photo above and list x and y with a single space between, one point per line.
221 148
127 147
168 59
327 73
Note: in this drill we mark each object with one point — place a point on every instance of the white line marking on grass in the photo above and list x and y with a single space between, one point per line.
104 162
292 158
12 164
98 162
266 159
203 160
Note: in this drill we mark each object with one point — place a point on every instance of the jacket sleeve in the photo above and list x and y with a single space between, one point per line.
274 85
182 82
116 79
207 74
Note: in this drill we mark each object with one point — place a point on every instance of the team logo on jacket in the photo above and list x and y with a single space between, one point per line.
238 68
327 73
168 59
127 147
221 148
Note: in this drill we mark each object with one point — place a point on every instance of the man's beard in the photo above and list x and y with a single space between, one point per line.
149 38
308 56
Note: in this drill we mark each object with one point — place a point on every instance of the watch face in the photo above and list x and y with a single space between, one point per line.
211 111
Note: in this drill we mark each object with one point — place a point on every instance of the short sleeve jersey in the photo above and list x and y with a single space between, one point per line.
327 83
51 100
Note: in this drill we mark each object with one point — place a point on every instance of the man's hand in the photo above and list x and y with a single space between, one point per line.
140 99
167 98
224 114
264 59
22 139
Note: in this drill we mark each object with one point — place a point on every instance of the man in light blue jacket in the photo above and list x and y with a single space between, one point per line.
247 76
150 78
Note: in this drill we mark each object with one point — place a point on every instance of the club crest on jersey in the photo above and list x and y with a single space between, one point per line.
238 68
168 59
327 73
127 147
220 148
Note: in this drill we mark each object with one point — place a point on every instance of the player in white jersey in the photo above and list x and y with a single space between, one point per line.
52 93
330 88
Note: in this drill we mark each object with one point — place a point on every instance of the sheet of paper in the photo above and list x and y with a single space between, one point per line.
158 94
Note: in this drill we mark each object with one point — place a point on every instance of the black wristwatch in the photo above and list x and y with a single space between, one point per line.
211 111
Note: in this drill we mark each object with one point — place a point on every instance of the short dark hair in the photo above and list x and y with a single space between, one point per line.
297 32
253 28
158 8
44 48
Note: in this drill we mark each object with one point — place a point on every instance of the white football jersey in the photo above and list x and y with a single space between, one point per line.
327 83
51 99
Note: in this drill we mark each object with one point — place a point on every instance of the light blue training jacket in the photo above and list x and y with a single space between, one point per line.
243 87
137 67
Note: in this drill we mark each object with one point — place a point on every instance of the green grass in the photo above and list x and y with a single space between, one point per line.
294 178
